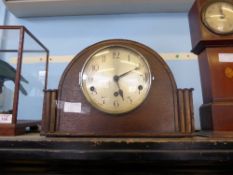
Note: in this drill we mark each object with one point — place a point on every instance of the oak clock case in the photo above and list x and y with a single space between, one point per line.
118 88
212 40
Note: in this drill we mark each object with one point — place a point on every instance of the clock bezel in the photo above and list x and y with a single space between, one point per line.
86 95
203 19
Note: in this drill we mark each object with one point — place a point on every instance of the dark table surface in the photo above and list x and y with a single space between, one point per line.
32 153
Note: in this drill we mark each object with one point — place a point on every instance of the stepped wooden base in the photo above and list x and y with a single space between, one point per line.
217 117
19 128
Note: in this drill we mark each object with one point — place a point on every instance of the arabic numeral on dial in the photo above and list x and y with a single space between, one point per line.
94 67
130 100
116 104
146 77
129 58
230 25
90 79
139 66
116 55
103 58
103 100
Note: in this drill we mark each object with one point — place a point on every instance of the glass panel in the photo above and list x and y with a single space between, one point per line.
55 72
9 42
32 80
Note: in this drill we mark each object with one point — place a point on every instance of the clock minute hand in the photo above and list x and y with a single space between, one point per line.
221 12
126 73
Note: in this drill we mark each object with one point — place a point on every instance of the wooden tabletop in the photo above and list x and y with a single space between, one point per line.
36 147
35 154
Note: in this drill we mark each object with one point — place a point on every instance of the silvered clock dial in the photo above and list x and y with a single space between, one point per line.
116 79
218 16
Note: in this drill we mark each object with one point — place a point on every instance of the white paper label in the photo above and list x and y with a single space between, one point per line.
42 74
225 57
5 118
72 107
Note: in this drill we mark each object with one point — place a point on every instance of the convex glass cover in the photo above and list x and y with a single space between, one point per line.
116 79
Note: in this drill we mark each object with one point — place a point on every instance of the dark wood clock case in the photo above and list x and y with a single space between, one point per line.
216 113
217 84
167 111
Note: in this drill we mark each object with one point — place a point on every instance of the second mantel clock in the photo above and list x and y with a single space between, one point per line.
118 88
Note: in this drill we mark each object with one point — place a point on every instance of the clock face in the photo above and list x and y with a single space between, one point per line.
116 79
218 17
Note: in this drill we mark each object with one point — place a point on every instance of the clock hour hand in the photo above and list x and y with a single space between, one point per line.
120 91
121 94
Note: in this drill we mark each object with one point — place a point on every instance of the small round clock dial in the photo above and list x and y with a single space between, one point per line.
116 79
218 17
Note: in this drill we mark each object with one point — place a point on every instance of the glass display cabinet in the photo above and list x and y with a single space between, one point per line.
23 77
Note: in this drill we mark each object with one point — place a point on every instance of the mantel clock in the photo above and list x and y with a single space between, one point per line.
118 88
